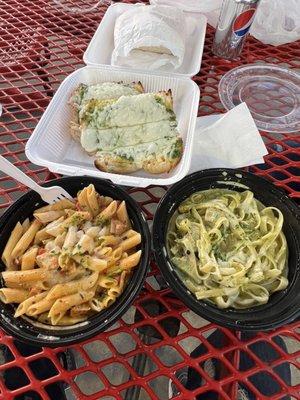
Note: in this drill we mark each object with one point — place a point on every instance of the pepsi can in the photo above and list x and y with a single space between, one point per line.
235 21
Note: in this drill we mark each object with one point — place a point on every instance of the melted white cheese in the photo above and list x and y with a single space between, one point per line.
93 139
129 111
139 153
132 127
108 90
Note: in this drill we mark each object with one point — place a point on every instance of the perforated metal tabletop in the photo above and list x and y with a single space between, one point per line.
159 349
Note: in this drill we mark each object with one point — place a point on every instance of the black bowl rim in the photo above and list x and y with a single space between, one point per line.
85 332
206 310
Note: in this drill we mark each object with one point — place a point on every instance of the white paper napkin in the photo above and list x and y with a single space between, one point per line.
229 140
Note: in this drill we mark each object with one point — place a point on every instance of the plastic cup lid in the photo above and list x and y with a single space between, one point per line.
272 94
80 7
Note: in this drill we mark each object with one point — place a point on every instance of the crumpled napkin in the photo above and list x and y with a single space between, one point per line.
230 140
144 32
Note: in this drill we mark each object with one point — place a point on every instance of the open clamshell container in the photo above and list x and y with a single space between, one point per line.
52 146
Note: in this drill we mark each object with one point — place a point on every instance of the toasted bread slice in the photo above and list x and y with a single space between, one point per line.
102 92
165 98
115 164
159 164
156 163
75 103
81 95
129 111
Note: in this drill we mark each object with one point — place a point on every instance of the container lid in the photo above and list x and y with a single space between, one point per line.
100 48
78 6
272 94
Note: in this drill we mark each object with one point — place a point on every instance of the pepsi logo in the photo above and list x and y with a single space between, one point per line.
243 22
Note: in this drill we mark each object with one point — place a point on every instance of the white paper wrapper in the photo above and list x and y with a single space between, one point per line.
150 37
229 140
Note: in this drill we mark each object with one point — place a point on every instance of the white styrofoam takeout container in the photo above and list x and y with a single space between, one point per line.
52 146
100 48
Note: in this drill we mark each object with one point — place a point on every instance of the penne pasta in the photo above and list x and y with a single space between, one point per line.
71 238
104 252
60 239
92 199
40 307
123 217
117 289
25 276
25 224
10 245
106 282
94 264
131 241
114 256
72 287
25 240
28 260
85 245
60 205
48 216
69 212
82 200
41 235
100 303
107 213
75 219
23 307
93 231
55 228
63 304
8 295
130 261
108 240
72 260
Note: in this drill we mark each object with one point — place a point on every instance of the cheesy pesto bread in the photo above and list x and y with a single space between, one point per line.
127 132
104 93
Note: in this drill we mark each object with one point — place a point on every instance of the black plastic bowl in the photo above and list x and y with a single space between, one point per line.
35 333
283 306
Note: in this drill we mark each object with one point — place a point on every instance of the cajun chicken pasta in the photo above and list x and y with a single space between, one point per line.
228 248
72 261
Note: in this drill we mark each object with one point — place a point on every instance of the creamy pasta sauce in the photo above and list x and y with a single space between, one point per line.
228 248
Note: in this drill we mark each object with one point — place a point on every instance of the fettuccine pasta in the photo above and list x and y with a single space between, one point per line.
72 261
228 248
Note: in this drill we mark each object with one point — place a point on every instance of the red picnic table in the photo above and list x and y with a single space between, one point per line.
159 349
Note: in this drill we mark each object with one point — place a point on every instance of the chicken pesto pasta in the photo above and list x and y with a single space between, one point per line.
73 260
228 248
